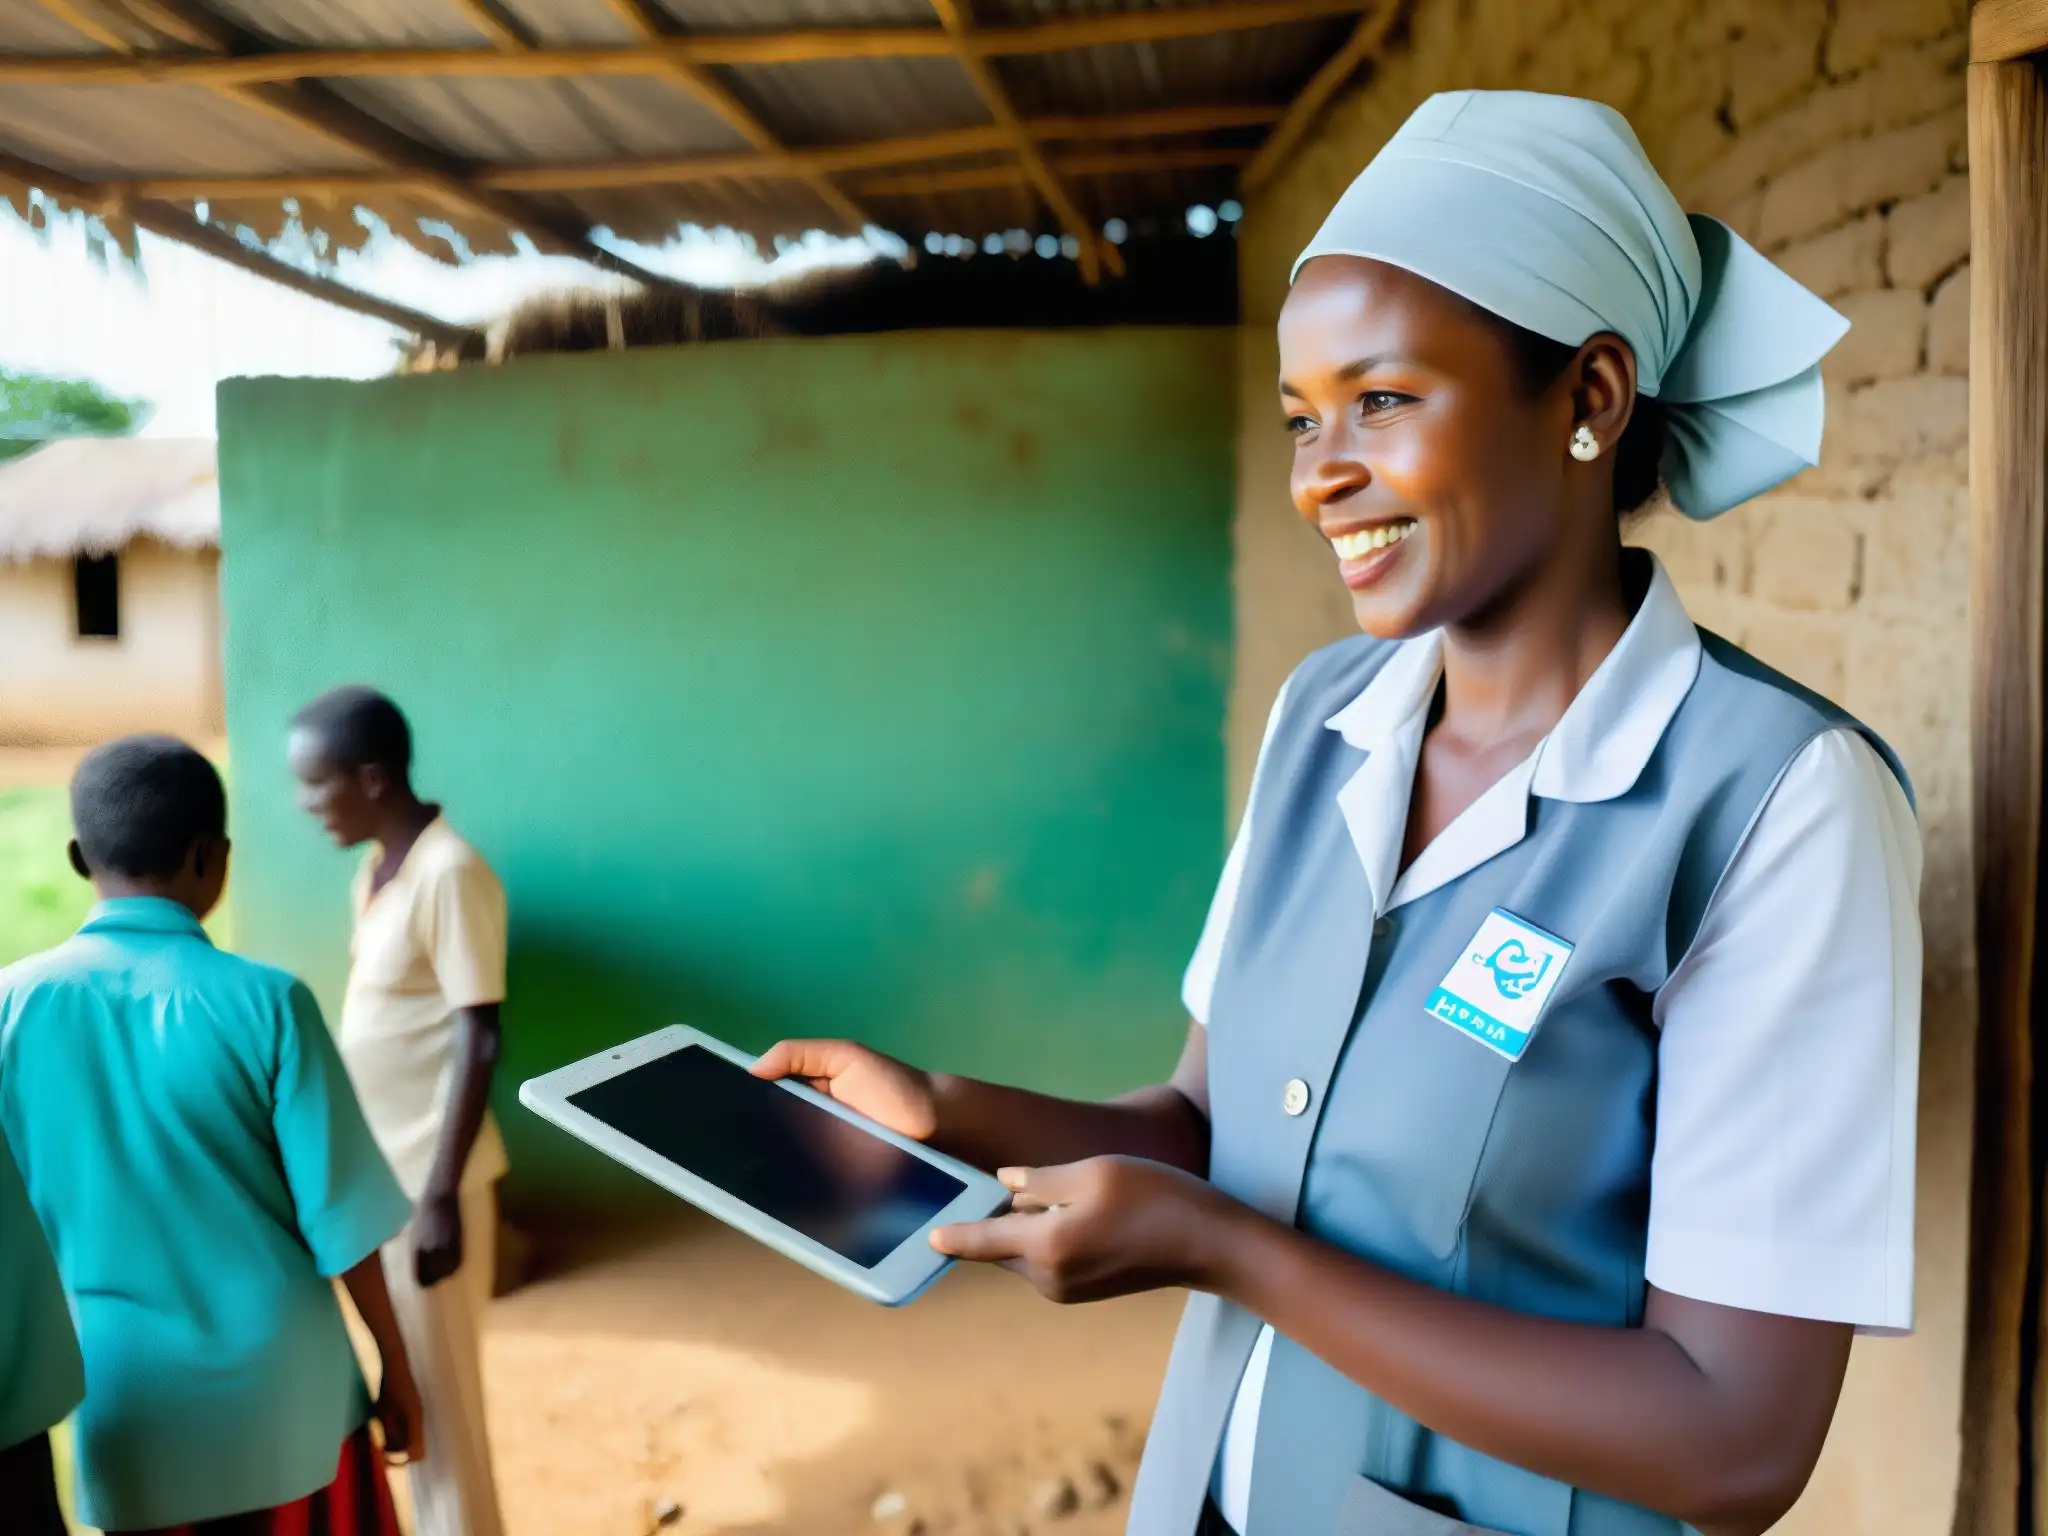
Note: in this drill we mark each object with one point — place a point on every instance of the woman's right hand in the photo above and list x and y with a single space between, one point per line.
884 1089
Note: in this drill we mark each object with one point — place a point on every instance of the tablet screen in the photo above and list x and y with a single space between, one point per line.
825 1177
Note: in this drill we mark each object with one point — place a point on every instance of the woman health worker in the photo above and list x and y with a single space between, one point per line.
1546 1126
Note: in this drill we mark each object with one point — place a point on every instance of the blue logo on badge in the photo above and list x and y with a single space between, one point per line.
1515 973
1501 982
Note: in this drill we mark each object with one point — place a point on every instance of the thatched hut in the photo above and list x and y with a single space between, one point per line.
109 605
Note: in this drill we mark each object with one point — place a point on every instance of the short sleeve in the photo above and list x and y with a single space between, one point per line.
465 924
348 1202
1198 983
1788 1068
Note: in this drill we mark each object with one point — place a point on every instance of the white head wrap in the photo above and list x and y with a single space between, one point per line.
1544 210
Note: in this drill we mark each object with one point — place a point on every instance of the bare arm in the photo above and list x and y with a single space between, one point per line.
1707 1413
479 1042
996 1127
398 1399
437 1230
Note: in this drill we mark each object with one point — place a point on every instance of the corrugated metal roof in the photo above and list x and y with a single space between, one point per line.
547 122
1015 12
779 15
580 23
600 148
351 23
30 29
119 132
847 101
1173 73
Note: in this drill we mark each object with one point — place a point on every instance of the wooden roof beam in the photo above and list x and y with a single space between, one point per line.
513 55
89 21
507 34
1364 42
173 18
178 20
1094 251
785 164
2002 30
1159 26
976 178
499 62
445 180
693 78
1159 122
314 108
177 225
201 30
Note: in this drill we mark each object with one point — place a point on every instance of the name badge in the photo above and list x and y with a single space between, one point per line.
1496 991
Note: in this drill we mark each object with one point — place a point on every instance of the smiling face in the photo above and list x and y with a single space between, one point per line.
1440 475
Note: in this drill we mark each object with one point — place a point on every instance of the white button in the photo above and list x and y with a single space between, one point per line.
1294 1097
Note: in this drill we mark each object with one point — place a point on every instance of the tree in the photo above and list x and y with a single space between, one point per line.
35 410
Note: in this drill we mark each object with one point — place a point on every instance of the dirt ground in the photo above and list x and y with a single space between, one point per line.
681 1370
686 1365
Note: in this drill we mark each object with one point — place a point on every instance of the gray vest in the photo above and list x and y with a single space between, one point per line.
1523 1183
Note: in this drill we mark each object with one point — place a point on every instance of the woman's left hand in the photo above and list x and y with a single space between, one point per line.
1105 1227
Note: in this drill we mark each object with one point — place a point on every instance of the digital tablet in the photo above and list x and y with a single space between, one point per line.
781 1162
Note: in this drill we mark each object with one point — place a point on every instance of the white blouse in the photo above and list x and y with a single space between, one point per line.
1788 1065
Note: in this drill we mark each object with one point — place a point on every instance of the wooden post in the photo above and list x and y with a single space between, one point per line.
2001 1430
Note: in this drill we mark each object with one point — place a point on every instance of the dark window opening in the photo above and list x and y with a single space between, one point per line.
97 580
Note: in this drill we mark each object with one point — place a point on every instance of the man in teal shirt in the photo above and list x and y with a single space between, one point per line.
190 1141
41 1379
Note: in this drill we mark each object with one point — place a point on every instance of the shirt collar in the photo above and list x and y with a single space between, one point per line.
1600 746
142 914
1400 688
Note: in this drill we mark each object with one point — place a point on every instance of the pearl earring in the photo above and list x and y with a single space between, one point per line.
1585 446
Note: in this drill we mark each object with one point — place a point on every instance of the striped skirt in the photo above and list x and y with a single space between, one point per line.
356 1503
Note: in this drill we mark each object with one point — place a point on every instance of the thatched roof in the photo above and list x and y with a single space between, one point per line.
557 119
1181 281
93 495
588 320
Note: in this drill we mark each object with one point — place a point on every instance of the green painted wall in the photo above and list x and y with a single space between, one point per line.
868 685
